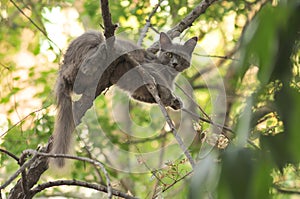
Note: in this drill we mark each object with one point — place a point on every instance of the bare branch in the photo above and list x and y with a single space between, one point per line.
34 170
176 181
4 66
10 154
217 56
97 187
184 23
148 24
202 111
94 162
109 27
208 121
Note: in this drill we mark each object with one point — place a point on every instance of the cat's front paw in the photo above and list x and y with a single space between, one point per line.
176 104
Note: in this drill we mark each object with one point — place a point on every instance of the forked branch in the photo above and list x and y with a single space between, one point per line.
184 23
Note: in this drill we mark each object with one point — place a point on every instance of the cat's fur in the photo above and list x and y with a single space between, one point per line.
91 65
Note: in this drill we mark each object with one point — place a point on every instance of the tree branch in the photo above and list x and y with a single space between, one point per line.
109 27
10 154
97 187
148 24
17 173
91 161
34 24
184 23
23 119
36 166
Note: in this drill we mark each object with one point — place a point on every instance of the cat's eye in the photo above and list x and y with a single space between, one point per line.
170 55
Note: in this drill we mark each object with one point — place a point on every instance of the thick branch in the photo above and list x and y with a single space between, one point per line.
185 23
36 166
109 27
94 162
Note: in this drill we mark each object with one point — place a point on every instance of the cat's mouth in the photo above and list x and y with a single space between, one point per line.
175 65
174 68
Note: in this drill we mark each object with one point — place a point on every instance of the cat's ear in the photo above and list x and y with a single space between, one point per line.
164 40
191 43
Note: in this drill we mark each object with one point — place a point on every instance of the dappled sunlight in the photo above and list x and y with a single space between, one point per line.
234 130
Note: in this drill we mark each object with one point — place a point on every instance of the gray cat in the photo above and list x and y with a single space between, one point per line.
92 65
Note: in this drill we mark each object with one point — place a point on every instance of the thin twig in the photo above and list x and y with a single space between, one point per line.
148 24
89 153
214 65
10 154
97 187
195 103
23 119
184 23
207 121
4 66
176 181
34 24
216 56
174 131
136 141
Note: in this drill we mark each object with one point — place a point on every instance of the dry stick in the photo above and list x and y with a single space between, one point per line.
148 24
184 23
217 56
97 187
91 161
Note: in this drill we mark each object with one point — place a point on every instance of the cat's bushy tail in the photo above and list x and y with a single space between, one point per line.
64 124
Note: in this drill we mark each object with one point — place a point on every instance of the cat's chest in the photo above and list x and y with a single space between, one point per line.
162 74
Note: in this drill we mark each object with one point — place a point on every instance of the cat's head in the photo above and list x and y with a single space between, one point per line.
177 56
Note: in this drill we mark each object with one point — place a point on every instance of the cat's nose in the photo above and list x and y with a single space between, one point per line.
174 64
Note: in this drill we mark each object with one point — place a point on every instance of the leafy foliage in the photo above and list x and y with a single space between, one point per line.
262 85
